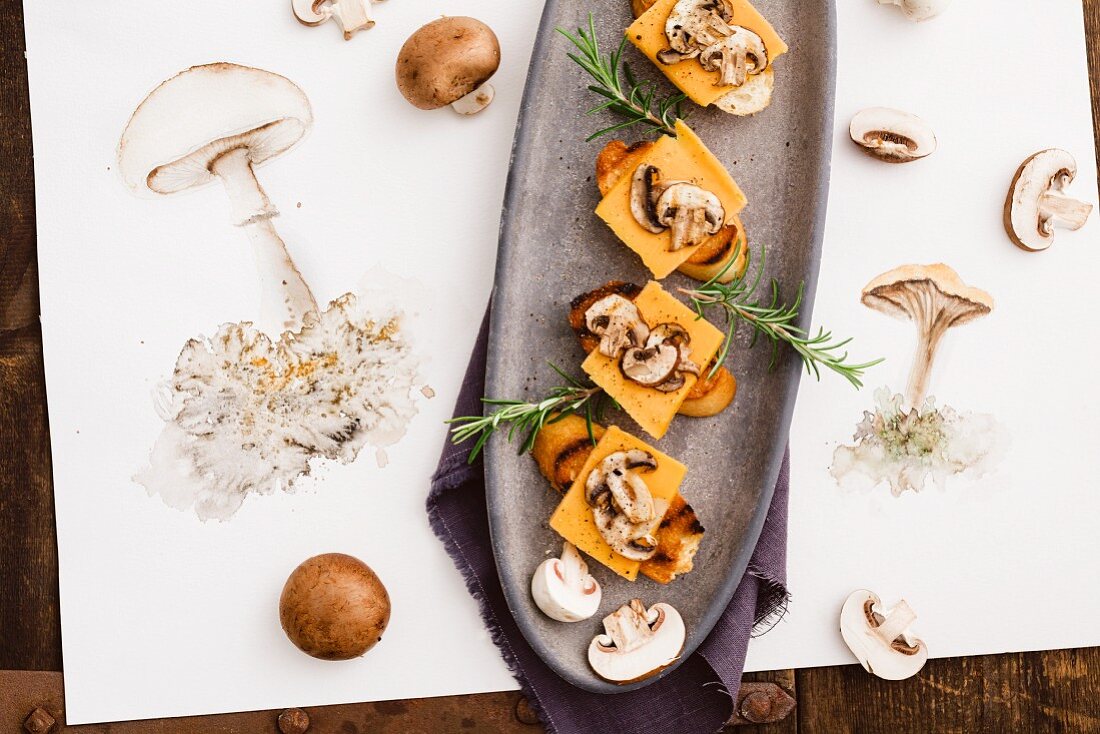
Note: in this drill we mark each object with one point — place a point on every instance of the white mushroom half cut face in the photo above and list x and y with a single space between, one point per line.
880 637
1037 202
918 10
637 642
892 135
564 589
351 15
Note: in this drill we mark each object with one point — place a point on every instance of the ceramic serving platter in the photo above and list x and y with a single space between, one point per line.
553 247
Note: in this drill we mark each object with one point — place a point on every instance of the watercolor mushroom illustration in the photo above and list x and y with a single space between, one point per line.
247 410
880 638
935 299
351 15
918 10
564 589
1037 202
449 62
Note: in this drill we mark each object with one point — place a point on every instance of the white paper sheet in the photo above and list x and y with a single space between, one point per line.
1004 563
162 615
125 281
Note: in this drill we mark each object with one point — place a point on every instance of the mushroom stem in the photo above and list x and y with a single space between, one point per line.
475 101
927 342
285 297
1059 210
895 621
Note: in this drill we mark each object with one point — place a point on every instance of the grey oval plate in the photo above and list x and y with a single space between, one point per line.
553 247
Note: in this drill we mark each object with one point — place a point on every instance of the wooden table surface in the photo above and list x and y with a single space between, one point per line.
1040 691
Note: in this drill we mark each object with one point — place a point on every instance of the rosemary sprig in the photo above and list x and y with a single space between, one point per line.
774 321
525 418
624 95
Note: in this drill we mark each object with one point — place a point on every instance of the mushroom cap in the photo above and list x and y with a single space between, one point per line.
445 60
892 135
925 292
334 607
201 113
896 659
1048 171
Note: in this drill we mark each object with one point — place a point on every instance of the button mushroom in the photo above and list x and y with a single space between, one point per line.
216 122
736 57
637 642
693 214
892 135
449 62
692 25
618 324
650 366
334 607
935 299
918 10
352 15
563 589
879 638
1037 200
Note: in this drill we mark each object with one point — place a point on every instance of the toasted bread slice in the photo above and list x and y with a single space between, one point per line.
617 159
751 97
562 447
707 396
561 450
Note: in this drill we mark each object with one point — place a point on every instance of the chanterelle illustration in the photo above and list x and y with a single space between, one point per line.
249 409
907 439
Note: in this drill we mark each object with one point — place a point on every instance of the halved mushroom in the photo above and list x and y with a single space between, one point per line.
637 642
650 366
736 57
1037 200
563 589
918 10
618 324
892 135
352 15
933 297
879 638
692 26
643 197
693 213
617 475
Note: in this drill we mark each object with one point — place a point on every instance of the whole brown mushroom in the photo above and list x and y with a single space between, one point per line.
449 62
334 607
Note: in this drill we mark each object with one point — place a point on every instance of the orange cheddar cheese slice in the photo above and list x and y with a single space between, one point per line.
683 158
648 34
573 519
652 409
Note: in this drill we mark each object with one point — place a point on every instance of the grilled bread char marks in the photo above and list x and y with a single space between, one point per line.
709 396
617 159
561 449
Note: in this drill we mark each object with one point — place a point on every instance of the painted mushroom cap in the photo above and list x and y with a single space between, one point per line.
445 60
925 293
201 113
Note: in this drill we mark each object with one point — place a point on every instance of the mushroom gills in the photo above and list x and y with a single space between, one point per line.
618 324
1037 202
892 135
637 642
881 640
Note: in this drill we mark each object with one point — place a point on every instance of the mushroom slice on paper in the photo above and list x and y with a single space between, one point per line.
892 135
880 638
1037 202
352 15
564 589
637 642
935 299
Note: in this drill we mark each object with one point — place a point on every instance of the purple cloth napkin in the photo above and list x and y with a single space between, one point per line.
697 697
